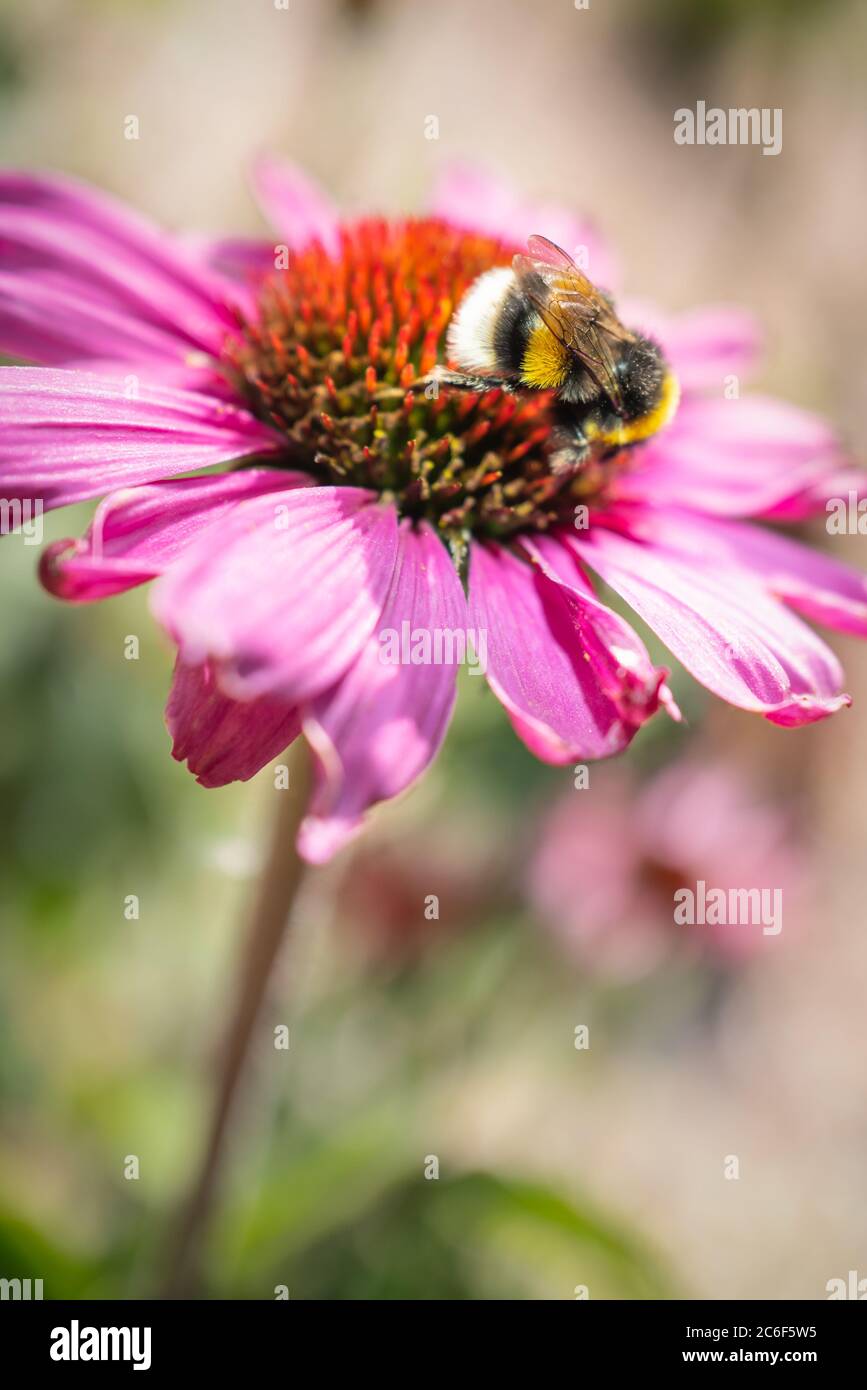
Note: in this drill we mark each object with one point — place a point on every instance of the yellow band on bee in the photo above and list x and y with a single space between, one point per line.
546 361
632 431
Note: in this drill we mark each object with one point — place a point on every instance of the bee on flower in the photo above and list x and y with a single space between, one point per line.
269 452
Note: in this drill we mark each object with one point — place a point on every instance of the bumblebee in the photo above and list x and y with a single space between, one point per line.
540 325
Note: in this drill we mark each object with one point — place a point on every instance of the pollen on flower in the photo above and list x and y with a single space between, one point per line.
339 358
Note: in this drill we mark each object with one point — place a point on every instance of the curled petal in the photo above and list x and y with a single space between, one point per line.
137 533
223 740
723 626
284 600
573 678
381 724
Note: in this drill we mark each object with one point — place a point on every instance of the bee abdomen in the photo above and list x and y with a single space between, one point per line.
490 331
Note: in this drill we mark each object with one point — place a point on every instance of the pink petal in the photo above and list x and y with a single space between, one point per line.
574 679
379 727
82 242
799 504
732 457
295 206
814 583
240 258
193 373
67 435
623 667
55 325
817 585
723 626
223 740
704 346
137 533
284 600
473 198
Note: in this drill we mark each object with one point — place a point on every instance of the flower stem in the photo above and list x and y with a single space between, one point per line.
275 893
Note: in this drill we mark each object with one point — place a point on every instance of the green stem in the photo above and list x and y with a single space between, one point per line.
276 890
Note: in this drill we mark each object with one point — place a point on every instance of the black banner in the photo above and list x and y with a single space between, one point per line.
152 1338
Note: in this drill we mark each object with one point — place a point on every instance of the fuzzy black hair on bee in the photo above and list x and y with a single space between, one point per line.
641 372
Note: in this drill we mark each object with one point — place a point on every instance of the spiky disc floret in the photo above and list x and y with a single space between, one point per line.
336 360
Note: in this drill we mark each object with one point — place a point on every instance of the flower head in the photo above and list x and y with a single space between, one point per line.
355 499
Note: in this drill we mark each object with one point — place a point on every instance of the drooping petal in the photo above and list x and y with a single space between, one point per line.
138 532
223 740
623 665
816 584
811 581
706 347
65 436
723 626
732 457
574 679
295 206
377 729
63 234
470 197
287 597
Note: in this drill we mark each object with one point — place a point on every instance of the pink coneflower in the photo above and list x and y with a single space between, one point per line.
351 501
611 859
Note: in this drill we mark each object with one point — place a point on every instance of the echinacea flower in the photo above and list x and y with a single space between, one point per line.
612 860
348 500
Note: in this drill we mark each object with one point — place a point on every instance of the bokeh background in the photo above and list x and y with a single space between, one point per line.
558 1167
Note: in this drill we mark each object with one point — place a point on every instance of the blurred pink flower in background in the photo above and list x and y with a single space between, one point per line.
611 857
158 358
398 900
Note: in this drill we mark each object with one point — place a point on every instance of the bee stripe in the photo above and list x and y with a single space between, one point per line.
644 426
546 361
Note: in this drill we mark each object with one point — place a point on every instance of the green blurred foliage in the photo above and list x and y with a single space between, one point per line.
687 32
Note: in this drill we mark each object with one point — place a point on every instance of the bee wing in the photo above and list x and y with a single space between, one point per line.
572 308
545 252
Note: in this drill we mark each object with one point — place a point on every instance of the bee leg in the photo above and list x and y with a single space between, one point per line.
569 448
463 381
568 457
